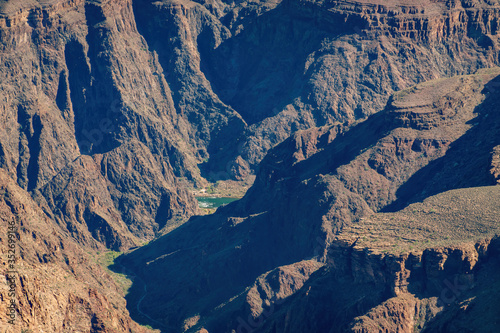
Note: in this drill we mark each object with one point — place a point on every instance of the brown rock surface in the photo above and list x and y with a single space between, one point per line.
271 68
330 60
105 105
374 281
312 198
206 82
58 287
77 78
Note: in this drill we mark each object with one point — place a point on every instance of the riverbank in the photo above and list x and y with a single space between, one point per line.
225 189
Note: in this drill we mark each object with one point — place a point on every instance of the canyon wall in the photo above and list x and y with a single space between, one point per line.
140 100
111 110
341 196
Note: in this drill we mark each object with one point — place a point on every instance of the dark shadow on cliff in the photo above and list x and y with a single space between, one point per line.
328 302
467 161
261 69
257 71
348 146
349 143
472 307
208 260
333 297
198 266
92 91
135 296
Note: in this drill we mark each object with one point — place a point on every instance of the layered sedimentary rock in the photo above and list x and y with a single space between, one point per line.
363 292
108 108
203 89
290 65
78 82
314 198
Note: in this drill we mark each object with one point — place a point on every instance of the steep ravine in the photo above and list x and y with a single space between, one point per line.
311 194
98 153
291 65
155 92
111 109
57 284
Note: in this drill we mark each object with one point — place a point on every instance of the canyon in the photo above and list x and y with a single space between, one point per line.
371 129
405 202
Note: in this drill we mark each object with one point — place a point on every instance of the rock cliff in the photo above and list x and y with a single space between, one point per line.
111 109
198 90
248 267
54 282
89 126
291 65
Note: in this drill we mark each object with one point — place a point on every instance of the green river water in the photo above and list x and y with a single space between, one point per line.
213 202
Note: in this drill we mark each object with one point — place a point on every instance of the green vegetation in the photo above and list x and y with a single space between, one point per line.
107 260
211 189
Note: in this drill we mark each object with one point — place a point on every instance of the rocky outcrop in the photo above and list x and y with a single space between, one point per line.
206 89
324 183
362 292
89 125
399 272
495 164
325 61
79 199
53 281
106 105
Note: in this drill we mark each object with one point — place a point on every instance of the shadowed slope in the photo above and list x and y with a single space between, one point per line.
309 191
